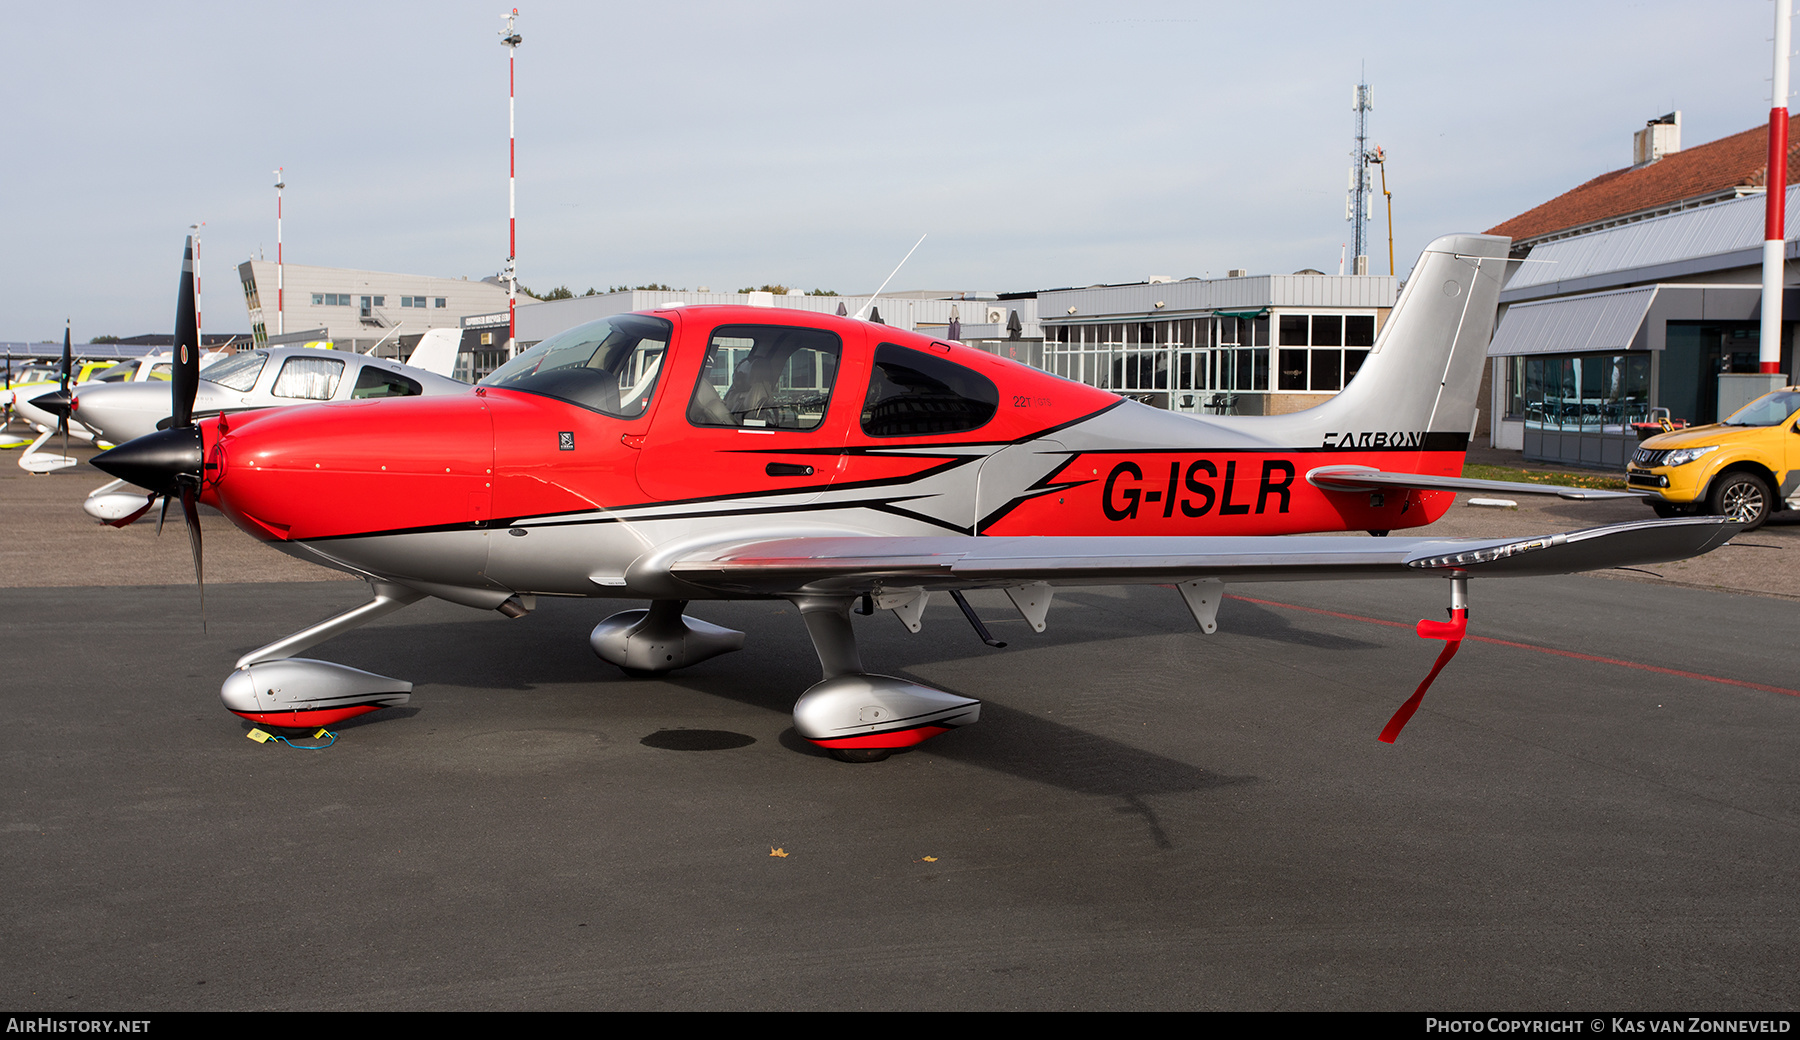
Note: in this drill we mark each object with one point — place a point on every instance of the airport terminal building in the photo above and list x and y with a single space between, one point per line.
1004 324
1260 345
1640 289
357 309
1241 345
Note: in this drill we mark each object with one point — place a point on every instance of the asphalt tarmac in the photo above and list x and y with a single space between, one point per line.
1144 818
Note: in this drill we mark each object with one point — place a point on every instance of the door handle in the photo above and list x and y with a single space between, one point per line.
788 469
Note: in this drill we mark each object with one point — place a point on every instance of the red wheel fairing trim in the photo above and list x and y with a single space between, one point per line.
897 739
308 719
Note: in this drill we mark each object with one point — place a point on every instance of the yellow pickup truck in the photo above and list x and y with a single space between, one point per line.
1747 466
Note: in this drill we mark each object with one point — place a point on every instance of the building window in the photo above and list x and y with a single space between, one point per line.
1188 364
442 302
1346 339
407 301
331 299
1595 394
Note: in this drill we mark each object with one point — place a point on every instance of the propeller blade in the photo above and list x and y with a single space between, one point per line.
190 507
62 423
184 380
164 515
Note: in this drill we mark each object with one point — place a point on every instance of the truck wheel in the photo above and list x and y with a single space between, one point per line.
1743 496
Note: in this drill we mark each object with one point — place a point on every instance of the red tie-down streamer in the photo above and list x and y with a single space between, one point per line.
1451 632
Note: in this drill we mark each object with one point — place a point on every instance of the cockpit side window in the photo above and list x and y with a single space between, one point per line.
766 377
913 393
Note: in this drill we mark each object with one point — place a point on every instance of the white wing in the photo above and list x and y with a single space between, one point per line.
851 565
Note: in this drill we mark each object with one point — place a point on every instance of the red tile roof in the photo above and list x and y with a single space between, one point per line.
1738 160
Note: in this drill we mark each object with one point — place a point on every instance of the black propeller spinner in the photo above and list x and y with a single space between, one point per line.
170 463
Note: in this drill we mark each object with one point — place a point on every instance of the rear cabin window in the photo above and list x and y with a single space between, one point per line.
374 382
913 393
766 377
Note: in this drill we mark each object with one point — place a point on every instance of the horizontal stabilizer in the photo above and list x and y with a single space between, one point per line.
850 564
1366 478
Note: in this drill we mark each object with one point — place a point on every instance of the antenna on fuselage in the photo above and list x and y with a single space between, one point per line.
863 311
371 351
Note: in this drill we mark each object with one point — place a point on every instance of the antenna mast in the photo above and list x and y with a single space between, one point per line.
510 40
1775 218
1359 206
280 300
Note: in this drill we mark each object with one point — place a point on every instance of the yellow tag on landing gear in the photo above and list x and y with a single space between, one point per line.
322 733
258 735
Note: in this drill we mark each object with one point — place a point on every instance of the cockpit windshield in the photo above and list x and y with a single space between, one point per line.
1767 410
237 372
610 365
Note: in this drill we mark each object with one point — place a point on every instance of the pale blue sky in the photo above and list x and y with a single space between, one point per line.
722 144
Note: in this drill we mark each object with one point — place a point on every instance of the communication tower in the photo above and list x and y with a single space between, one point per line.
1359 204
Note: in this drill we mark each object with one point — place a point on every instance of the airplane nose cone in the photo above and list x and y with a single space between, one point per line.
56 402
122 411
156 462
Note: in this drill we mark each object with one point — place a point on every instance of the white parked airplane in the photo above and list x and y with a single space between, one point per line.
273 377
45 406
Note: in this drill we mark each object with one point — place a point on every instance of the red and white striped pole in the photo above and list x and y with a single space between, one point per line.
1775 226
199 339
510 39
280 300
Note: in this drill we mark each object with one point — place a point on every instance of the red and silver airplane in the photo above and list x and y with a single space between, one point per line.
737 452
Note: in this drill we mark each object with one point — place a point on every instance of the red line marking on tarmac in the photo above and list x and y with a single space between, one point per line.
1765 687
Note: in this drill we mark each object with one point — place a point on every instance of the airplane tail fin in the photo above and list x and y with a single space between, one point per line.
1421 379
436 351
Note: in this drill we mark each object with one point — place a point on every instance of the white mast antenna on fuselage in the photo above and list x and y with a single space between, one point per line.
863 311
